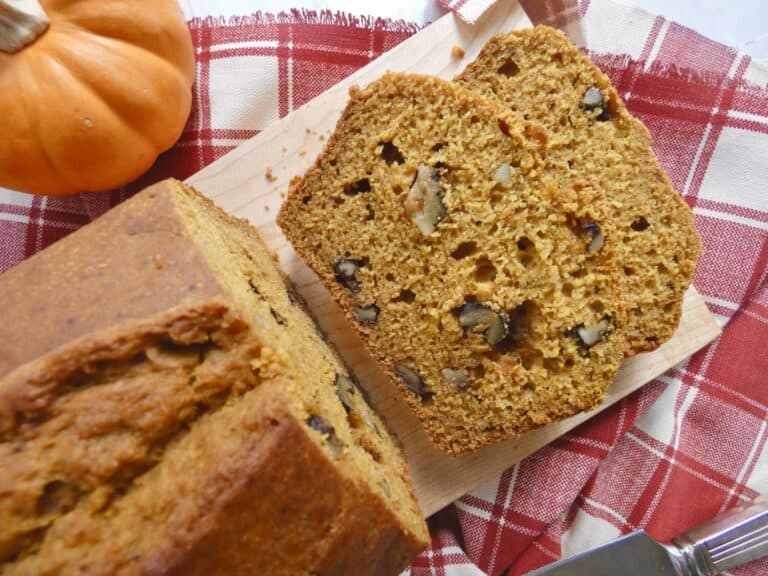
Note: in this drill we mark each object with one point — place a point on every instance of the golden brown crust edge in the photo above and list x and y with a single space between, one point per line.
242 482
308 494
40 287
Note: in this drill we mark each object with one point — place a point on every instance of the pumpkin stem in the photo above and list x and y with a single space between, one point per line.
21 22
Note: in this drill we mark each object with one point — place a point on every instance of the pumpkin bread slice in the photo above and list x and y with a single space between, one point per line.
490 298
539 74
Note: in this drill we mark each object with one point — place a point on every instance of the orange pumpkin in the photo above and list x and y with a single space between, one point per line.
91 91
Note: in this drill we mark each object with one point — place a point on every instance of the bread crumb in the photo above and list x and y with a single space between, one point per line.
282 194
322 138
457 51
324 211
269 175
266 207
302 153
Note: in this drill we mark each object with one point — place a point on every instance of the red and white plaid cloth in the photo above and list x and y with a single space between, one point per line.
687 446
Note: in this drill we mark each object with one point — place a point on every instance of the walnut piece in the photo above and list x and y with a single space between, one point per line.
473 314
424 201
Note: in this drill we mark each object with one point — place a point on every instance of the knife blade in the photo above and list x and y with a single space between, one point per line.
635 554
734 538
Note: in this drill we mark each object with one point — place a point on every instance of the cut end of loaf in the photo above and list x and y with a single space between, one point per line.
467 275
539 74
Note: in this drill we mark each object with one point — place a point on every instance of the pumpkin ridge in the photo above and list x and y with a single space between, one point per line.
98 37
172 27
21 93
61 168
34 117
124 112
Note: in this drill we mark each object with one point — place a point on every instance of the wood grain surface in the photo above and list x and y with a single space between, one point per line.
238 182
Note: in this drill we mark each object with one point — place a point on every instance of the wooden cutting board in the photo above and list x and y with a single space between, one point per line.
239 183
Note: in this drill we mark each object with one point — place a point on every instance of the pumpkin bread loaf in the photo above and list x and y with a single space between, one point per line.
539 74
489 297
168 407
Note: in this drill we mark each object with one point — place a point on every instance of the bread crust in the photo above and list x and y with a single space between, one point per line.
156 419
132 262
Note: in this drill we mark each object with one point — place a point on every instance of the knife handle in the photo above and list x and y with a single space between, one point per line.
732 539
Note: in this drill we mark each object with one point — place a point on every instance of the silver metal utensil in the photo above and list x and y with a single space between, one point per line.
732 539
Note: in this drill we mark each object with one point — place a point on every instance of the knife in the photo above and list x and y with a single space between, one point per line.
732 539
